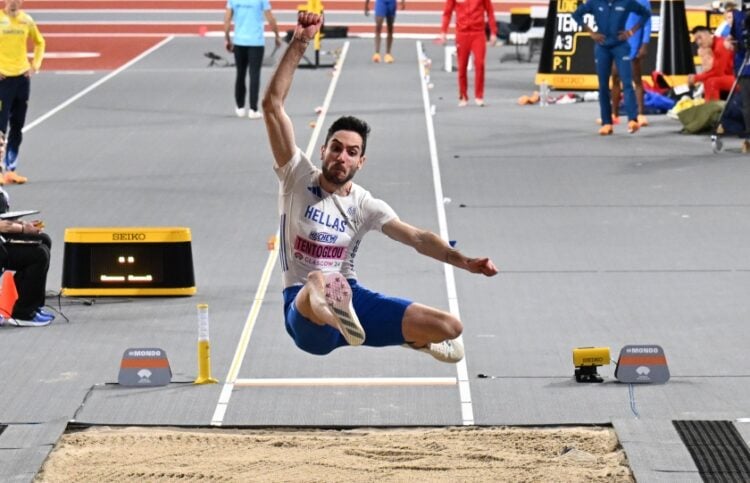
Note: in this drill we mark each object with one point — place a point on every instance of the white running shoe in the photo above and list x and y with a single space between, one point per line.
254 114
450 351
36 321
339 298
240 111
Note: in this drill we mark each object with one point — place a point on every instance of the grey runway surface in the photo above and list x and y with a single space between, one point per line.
629 239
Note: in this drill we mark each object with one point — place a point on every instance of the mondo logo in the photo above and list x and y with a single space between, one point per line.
642 350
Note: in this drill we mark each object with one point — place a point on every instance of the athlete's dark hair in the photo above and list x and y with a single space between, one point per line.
700 28
350 123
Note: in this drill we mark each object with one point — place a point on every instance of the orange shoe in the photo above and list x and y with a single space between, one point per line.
388 59
606 130
534 98
12 177
376 58
633 126
642 120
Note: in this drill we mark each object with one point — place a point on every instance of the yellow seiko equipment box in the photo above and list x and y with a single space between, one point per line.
128 261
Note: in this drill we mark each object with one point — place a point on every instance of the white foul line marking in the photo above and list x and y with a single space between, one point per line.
239 355
467 410
346 381
93 86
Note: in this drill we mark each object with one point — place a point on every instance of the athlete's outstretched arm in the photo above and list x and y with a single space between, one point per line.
430 244
278 124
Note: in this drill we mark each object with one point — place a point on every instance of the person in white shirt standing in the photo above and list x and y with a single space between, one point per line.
248 46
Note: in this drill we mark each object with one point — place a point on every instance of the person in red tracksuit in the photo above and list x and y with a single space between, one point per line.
720 77
470 39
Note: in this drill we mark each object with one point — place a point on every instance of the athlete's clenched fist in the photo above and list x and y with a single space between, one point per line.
308 24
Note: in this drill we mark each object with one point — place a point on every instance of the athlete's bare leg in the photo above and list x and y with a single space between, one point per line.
389 36
616 92
423 325
378 32
638 82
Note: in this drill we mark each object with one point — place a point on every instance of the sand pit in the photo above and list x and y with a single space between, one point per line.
420 454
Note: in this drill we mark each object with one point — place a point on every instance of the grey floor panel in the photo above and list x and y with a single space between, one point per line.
24 436
344 406
22 465
617 239
563 401
655 451
682 312
24 447
343 362
175 404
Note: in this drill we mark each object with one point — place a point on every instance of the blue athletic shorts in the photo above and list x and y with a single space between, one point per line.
385 8
381 317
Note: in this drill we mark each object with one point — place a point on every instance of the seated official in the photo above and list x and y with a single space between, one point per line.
32 229
29 259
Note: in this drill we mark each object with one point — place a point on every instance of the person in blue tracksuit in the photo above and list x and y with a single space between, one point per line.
611 39
638 51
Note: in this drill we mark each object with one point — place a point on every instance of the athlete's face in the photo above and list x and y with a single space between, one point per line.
704 39
13 6
342 157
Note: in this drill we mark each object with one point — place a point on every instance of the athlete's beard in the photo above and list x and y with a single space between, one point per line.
331 178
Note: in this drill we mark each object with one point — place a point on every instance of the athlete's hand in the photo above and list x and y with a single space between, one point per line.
597 37
30 228
482 265
642 52
229 45
441 39
308 24
493 40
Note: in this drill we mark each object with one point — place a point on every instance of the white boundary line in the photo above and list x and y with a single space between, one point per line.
239 355
93 86
467 410
346 381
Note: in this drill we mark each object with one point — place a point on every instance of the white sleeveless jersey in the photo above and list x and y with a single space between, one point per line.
320 230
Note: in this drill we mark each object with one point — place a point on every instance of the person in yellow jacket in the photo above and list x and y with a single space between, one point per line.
16 27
